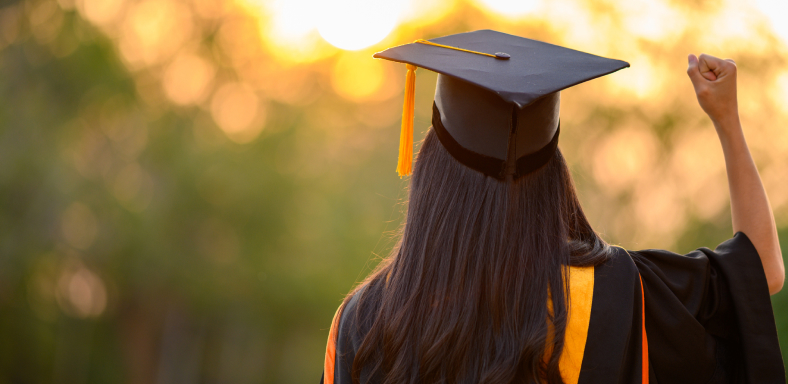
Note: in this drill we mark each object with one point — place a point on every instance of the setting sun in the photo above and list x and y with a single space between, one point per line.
357 24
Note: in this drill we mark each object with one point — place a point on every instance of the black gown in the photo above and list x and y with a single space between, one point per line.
708 317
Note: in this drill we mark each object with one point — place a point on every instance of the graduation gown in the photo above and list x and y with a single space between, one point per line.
708 319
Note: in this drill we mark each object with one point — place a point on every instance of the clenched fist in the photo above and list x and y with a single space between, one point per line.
715 86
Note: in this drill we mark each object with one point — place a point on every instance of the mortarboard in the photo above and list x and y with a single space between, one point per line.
497 97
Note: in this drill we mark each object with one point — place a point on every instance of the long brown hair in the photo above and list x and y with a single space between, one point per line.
463 297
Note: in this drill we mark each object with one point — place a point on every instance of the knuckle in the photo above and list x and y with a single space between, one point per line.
710 60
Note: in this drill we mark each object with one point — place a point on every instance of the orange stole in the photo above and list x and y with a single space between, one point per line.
644 342
331 348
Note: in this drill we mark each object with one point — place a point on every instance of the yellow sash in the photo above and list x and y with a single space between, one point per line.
581 295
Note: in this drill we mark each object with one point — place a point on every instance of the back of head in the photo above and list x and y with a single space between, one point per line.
464 296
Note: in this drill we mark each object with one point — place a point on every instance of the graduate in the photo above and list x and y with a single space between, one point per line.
498 276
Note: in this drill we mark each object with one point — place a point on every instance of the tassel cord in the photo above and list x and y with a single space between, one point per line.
405 162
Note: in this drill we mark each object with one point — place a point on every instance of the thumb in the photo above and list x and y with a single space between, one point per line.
693 72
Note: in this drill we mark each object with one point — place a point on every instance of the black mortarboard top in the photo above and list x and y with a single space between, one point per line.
496 101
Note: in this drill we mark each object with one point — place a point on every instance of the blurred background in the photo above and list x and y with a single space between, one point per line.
188 188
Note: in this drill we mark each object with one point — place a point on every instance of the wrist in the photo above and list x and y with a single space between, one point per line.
727 123
730 133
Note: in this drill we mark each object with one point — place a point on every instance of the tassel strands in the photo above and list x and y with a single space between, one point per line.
405 162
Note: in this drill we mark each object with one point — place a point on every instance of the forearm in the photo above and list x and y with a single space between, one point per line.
750 209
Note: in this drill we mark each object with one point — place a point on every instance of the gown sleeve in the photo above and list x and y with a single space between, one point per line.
709 315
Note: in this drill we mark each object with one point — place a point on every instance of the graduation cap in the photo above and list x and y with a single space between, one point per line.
497 97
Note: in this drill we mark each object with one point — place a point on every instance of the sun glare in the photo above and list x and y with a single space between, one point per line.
775 10
294 19
511 8
425 12
295 29
357 24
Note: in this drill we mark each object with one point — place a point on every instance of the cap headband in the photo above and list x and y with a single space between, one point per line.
489 165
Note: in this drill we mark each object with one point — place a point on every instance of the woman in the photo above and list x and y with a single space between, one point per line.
499 277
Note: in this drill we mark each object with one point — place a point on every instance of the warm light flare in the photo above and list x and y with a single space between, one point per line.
510 8
776 11
289 30
425 12
294 19
651 19
641 80
357 24
357 78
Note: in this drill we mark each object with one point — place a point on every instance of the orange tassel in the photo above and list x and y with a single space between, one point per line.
405 162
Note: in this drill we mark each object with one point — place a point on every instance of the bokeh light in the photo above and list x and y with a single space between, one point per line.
80 292
153 30
237 110
187 78
101 12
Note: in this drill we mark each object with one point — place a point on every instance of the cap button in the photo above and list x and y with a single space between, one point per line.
502 56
